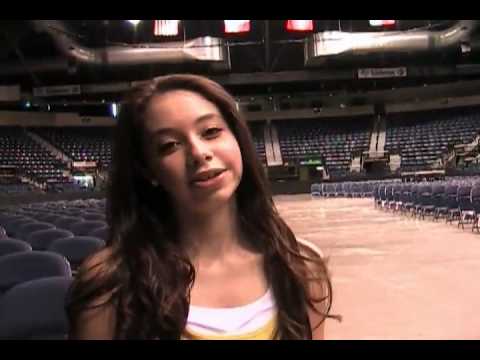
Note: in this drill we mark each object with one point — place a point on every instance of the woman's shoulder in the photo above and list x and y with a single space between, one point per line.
95 270
97 317
96 263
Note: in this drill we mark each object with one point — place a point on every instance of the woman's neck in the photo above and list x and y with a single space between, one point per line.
212 235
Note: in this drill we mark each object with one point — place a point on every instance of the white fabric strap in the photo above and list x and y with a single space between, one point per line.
232 321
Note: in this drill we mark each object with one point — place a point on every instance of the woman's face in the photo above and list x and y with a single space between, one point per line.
191 152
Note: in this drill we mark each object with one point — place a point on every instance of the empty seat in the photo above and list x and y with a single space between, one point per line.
44 217
35 310
465 204
20 267
76 249
377 194
452 202
405 197
415 198
50 218
316 190
382 191
25 230
41 240
439 201
10 246
86 227
427 206
367 189
475 200
339 189
13 225
101 233
66 222
8 216
93 216
396 202
329 189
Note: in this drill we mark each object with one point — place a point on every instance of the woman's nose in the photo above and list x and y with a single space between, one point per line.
199 152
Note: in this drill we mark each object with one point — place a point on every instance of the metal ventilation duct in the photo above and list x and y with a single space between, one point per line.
204 49
327 44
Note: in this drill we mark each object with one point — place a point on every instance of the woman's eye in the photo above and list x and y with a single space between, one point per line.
212 133
168 147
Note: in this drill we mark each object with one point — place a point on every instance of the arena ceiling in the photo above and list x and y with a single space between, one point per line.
268 58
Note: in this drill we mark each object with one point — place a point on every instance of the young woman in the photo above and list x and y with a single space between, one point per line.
196 248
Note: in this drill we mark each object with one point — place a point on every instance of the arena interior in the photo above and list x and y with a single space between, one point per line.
368 131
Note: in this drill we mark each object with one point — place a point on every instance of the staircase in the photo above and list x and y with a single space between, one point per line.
462 153
376 160
378 138
272 146
55 152
381 136
468 150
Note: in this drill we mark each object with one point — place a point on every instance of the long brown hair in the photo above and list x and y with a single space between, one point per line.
147 275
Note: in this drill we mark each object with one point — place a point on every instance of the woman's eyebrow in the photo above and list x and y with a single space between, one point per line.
207 117
166 131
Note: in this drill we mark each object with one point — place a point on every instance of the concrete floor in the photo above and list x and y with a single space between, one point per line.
393 277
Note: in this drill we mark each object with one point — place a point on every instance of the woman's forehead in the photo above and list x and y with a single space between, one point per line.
178 108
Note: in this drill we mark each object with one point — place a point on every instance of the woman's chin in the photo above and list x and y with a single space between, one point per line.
213 202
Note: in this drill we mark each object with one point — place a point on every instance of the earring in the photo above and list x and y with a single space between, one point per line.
154 183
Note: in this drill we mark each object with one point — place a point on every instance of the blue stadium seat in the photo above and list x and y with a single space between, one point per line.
25 230
10 246
76 249
24 266
86 227
35 310
41 240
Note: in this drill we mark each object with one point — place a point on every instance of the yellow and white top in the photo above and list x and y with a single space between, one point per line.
254 321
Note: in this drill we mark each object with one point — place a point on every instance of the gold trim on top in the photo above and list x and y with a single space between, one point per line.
266 332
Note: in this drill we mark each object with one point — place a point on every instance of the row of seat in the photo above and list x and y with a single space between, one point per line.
35 275
35 309
19 150
33 290
81 143
451 200
15 188
81 238
332 140
256 129
344 189
423 137
74 248
32 222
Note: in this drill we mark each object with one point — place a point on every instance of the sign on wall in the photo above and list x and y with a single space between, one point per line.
379 73
46 91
